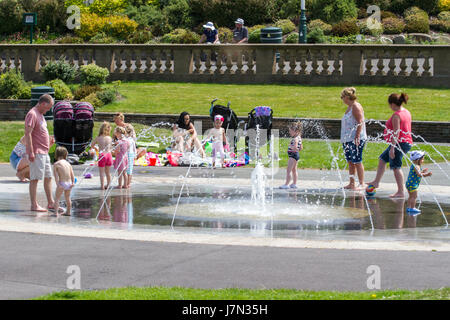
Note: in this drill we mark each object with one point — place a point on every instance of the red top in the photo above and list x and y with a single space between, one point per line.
405 127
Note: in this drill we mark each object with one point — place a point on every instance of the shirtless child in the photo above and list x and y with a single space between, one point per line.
104 142
64 178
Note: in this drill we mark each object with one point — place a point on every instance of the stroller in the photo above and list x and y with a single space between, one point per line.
261 116
231 120
73 127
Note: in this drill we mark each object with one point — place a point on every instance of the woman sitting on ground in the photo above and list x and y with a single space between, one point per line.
185 135
19 161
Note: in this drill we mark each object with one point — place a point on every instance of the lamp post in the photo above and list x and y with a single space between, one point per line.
302 26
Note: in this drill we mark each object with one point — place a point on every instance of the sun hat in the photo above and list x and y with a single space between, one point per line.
209 25
416 155
218 117
239 21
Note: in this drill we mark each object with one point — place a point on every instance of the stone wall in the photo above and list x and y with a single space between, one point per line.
311 64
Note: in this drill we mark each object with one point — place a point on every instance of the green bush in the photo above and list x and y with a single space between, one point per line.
286 25
180 36
255 36
415 11
225 35
317 23
257 27
383 4
92 74
429 6
345 28
11 12
150 16
334 11
106 96
370 26
440 25
51 15
11 84
70 39
387 14
292 38
101 37
24 92
393 25
84 91
62 91
100 7
178 14
417 23
59 69
140 36
315 35
291 8
444 15
92 99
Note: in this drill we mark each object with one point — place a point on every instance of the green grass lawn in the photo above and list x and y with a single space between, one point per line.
286 100
316 153
177 293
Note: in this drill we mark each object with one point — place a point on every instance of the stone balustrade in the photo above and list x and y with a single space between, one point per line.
412 65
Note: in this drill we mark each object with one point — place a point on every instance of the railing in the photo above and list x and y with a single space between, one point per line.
420 65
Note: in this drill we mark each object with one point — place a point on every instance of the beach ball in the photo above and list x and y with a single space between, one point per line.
370 191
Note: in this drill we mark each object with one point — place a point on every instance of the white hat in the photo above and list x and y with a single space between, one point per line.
209 25
416 155
239 21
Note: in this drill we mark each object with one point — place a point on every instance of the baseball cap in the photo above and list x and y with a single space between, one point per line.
209 25
239 21
416 155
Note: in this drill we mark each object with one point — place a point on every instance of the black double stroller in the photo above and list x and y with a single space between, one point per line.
260 117
73 127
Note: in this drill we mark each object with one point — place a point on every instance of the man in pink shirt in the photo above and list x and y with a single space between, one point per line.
38 142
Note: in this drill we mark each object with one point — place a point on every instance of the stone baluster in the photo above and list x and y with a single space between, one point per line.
315 64
280 63
368 65
17 60
138 62
391 65
128 57
380 63
239 62
303 64
158 63
148 61
325 55
426 65
415 65
336 63
8 60
90 56
168 62
292 61
229 63
208 63
251 61
42 59
403 66
219 57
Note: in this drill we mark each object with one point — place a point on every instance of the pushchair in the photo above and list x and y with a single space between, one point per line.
231 120
261 117
73 127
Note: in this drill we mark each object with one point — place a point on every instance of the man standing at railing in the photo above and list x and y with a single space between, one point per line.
240 33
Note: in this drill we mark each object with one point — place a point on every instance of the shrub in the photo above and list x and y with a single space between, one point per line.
84 91
59 69
51 15
371 26
286 25
11 12
444 5
334 11
62 91
177 13
101 37
440 25
70 39
417 23
92 74
393 25
11 84
429 6
345 28
444 15
415 11
140 36
255 36
92 99
387 14
225 35
115 26
291 8
317 23
316 35
24 92
383 4
107 96
292 38
107 7
181 36
150 16
257 27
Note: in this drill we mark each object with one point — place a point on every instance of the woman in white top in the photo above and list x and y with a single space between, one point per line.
353 136
19 160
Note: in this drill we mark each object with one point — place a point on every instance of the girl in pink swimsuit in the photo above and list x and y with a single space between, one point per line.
121 161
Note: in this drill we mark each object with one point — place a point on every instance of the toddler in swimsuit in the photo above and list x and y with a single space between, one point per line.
295 146
412 183
104 142
121 161
219 139
64 178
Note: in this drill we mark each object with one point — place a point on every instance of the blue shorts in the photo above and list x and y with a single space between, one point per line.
353 153
395 163
14 159
294 155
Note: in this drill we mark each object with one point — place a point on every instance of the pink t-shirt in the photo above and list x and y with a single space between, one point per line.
39 135
405 127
